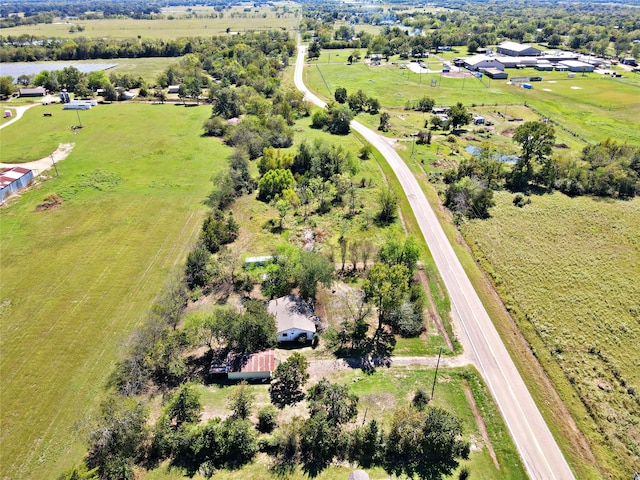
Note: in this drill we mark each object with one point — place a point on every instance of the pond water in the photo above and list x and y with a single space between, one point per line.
29 68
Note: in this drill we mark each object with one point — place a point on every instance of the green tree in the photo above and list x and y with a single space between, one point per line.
393 252
255 330
385 287
313 268
274 182
267 419
388 202
116 438
340 117
6 86
288 380
357 101
196 274
425 444
459 116
332 401
536 140
385 124
241 401
340 95
184 406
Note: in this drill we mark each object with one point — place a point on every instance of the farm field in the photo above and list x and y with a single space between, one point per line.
570 266
379 393
592 106
177 23
77 278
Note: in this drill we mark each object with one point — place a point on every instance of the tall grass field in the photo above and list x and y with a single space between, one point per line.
78 277
571 266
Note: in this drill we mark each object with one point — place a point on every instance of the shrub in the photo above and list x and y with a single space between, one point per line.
267 419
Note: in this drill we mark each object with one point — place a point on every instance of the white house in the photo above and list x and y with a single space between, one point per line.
294 319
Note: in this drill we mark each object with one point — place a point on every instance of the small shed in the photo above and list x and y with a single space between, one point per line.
295 320
478 120
173 89
7 114
32 92
14 179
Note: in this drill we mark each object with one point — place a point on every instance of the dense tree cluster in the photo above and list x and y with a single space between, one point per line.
584 26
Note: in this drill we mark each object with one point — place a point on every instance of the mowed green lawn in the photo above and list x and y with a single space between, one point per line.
76 279
592 106
572 266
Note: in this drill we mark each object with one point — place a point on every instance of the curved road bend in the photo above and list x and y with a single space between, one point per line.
540 453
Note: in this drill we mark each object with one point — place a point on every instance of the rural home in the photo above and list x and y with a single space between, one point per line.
295 320
173 89
32 92
513 49
14 179
255 366
478 62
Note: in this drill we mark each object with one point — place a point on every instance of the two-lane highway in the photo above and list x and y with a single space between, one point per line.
537 447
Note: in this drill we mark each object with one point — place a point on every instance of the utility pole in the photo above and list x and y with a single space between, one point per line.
433 389
54 165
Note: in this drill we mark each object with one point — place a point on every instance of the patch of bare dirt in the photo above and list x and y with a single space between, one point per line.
51 201
508 132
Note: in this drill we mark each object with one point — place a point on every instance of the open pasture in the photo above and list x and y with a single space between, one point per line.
571 265
172 25
77 278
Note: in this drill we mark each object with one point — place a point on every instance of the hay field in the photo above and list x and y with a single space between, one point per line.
77 278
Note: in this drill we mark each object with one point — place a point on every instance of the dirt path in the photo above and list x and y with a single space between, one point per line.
480 422
44 164
19 112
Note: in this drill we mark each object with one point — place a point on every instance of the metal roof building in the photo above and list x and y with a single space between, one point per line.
14 179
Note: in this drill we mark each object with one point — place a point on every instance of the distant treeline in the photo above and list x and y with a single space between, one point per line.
29 48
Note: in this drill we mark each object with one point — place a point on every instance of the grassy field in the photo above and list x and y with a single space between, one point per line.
177 23
379 393
592 106
573 277
76 279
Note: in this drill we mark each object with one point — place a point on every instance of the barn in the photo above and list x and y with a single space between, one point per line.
255 366
32 92
514 49
294 319
14 179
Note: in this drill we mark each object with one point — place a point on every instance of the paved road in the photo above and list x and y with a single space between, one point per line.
540 453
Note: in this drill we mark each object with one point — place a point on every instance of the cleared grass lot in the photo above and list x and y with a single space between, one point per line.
592 106
76 279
